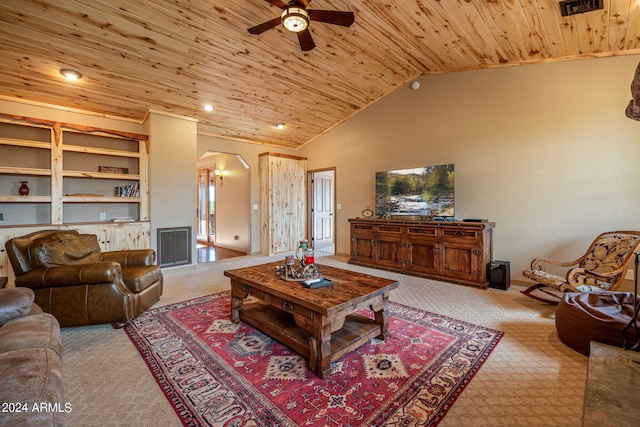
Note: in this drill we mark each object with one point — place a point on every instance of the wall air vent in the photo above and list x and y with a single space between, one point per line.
573 7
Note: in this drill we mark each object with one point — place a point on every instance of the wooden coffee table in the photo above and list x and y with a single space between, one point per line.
320 324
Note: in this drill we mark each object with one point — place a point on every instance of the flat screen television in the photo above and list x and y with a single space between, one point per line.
427 191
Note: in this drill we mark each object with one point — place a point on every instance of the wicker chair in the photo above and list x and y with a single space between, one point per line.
601 268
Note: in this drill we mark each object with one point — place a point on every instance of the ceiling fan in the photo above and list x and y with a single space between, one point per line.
295 17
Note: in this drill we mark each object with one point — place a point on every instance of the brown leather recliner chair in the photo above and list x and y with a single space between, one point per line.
80 285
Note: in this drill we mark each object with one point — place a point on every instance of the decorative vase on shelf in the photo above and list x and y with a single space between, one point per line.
24 188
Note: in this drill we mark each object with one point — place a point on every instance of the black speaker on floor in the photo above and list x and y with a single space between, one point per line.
499 275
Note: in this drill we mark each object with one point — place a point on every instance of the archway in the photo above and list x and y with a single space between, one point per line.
223 206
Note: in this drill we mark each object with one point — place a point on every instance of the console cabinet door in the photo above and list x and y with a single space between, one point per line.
362 242
461 254
460 262
422 251
388 246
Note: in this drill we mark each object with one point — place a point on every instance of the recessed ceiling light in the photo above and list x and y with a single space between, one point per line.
70 74
280 125
208 107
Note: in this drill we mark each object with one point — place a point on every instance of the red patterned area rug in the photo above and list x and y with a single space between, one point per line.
218 373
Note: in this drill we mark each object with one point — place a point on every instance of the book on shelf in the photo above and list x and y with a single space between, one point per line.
131 190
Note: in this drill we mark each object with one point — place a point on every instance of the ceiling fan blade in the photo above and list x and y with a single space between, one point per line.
305 3
306 41
278 3
335 17
259 29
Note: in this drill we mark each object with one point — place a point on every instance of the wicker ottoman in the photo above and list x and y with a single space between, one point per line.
594 316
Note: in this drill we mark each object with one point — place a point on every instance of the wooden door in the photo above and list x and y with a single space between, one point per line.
322 209
283 215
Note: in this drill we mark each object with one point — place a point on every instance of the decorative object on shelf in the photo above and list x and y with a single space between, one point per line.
113 169
24 188
367 213
304 269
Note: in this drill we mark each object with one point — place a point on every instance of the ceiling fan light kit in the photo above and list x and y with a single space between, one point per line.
296 18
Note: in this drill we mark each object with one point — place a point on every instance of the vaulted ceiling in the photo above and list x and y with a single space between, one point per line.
175 56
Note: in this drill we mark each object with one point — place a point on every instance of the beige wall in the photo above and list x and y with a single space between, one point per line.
172 173
545 151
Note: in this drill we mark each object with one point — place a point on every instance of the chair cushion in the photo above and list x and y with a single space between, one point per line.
15 302
561 284
594 316
51 251
141 277
545 278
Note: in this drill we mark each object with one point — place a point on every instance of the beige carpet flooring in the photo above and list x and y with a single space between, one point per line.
530 379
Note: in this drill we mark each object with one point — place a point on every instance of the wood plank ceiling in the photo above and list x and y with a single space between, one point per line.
176 55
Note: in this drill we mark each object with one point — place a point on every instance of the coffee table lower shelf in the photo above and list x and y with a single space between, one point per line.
281 326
